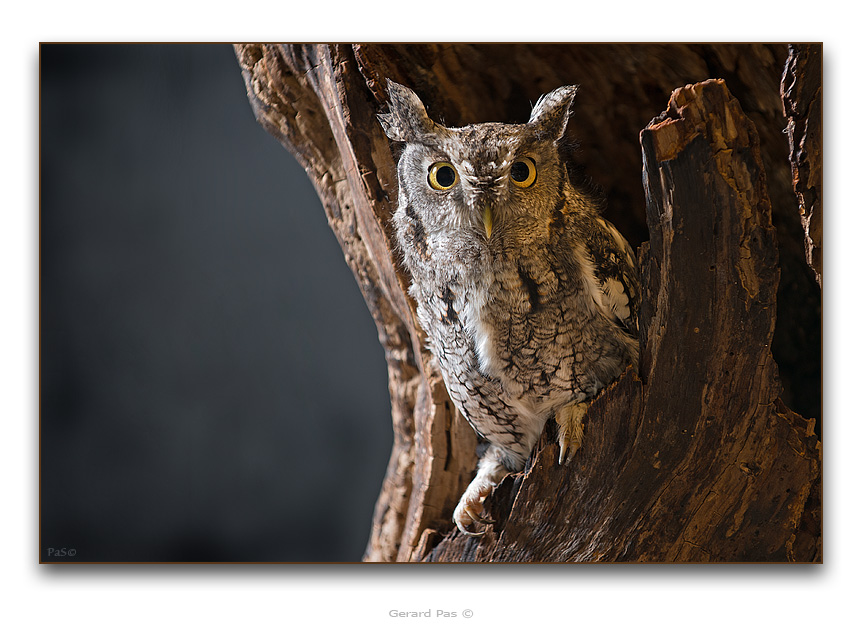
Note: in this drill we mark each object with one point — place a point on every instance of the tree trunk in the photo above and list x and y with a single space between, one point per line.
801 94
693 457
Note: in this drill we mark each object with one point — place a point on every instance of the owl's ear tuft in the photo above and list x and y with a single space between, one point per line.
551 113
407 119
390 126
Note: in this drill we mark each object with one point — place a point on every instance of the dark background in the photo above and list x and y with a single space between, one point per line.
212 387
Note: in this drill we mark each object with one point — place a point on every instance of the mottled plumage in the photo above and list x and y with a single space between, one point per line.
529 298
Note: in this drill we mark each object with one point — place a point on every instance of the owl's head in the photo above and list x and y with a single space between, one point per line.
481 180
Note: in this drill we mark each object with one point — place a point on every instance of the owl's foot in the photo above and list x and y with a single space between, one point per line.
471 509
571 433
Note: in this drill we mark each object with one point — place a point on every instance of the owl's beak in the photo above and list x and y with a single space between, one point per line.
488 220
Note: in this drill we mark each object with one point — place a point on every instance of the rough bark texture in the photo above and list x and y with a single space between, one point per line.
695 456
802 97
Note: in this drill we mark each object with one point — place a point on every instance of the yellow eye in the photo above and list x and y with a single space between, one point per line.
523 172
442 176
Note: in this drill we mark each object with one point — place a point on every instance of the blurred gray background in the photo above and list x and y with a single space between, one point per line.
212 388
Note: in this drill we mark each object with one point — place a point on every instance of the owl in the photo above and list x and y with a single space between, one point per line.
528 297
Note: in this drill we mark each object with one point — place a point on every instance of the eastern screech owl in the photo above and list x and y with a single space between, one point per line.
528 296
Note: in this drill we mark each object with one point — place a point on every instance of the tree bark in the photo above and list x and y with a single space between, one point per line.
801 95
694 456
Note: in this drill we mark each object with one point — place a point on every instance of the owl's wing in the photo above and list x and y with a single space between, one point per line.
615 283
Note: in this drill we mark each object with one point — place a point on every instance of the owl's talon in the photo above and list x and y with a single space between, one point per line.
466 520
470 533
476 516
480 517
470 511
571 433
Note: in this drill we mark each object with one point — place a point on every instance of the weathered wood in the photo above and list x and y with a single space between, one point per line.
320 101
802 97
